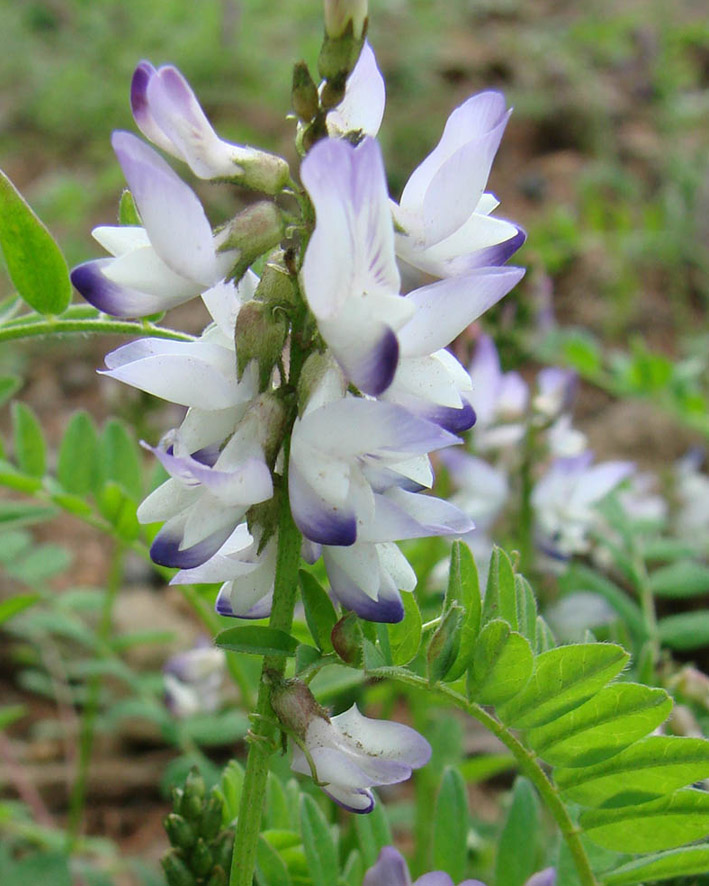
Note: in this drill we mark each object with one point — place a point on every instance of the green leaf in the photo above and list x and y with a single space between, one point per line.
526 608
320 849
464 589
485 766
20 513
648 769
230 786
271 870
667 823
500 596
216 729
78 462
319 612
353 872
611 720
30 448
450 825
35 263
545 637
120 510
685 578
277 812
405 636
120 458
14 605
127 210
665 549
9 386
373 833
685 631
444 644
686 862
518 846
40 563
563 678
257 640
9 714
502 664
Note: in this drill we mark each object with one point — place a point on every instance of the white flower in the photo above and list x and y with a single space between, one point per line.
352 754
362 108
193 681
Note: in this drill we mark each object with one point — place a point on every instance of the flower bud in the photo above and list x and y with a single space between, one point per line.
260 335
222 851
295 706
201 859
263 171
340 15
320 380
211 817
304 93
348 640
252 232
179 831
444 645
176 871
276 284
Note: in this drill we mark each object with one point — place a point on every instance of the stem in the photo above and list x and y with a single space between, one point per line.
90 713
524 757
647 604
248 825
56 325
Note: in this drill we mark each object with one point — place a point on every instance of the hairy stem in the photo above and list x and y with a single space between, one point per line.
525 758
90 713
57 326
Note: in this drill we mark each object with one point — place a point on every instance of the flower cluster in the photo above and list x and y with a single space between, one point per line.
324 350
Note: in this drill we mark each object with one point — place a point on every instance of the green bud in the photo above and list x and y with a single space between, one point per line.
444 645
218 877
319 369
348 640
260 335
180 833
338 55
211 818
276 284
295 705
333 91
222 850
177 795
262 171
176 871
201 860
258 229
305 93
194 784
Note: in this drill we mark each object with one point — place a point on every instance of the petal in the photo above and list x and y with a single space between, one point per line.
400 515
362 108
446 308
111 298
224 300
360 562
383 739
318 519
166 501
140 106
438 878
189 373
172 214
389 870
387 608
167 550
120 239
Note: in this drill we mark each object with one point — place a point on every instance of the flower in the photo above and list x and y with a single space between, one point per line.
362 108
391 870
167 112
171 259
193 679
339 14
444 221
500 399
352 753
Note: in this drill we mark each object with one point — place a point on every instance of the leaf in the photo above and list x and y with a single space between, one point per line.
667 823
685 578
216 729
563 678
120 510
127 210
665 549
545 637
648 769
353 872
444 644
271 870
485 766
500 596
502 664
230 786
257 640
611 720
9 714
405 636
40 563
686 862
685 631
30 448
120 458
319 611
373 833
20 513
35 263
450 825
14 605
77 466
320 849
464 589
526 608
518 845
277 813
9 386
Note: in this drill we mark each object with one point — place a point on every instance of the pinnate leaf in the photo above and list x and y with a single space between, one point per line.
686 862
30 448
502 664
319 611
450 825
77 466
500 595
320 849
257 640
518 846
405 636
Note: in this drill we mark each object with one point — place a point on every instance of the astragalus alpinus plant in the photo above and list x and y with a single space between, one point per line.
315 398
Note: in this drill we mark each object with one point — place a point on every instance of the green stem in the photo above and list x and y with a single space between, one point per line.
525 758
647 606
248 826
90 713
56 325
